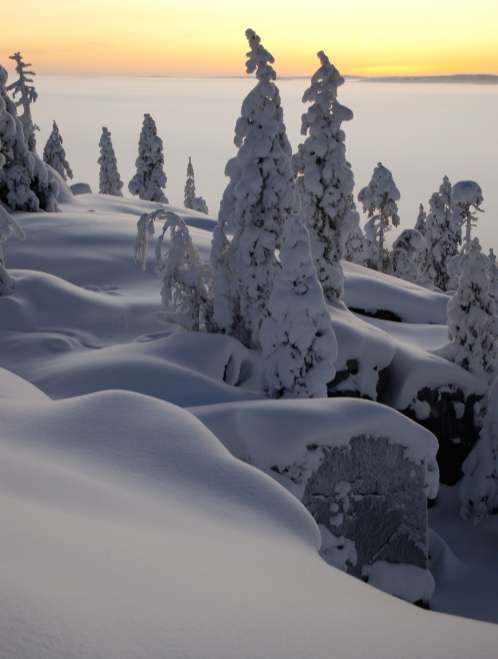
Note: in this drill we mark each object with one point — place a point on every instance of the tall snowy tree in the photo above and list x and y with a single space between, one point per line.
25 90
298 340
185 285
325 177
190 200
479 485
442 236
471 317
466 199
26 183
55 155
379 200
421 223
150 180
407 251
109 180
8 229
258 200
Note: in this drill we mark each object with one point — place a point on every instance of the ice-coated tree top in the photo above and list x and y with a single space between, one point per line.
259 59
380 191
323 93
467 193
25 90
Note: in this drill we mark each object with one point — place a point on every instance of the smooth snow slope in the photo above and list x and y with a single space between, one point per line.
129 531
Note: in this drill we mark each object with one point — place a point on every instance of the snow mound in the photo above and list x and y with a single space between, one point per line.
124 519
373 292
277 433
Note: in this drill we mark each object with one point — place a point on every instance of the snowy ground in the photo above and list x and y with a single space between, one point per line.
129 530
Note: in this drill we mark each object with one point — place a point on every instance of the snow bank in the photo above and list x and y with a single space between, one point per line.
124 519
373 292
280 433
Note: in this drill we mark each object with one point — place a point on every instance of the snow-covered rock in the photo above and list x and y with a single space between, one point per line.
363 471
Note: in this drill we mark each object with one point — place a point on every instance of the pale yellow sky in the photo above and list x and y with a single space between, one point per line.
206 37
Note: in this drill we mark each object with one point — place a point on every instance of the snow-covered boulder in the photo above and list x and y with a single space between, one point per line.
364 472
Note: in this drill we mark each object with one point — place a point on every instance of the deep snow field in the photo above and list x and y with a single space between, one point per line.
129 530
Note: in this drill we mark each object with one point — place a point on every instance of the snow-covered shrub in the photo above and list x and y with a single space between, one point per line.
25 90
258 200
55 155
26 183
298 340
408 248
185 280
190 200
354 247
443 238
150 180
109 180
325 178
8 229
421 223
471 316
466 198
479 486
379 200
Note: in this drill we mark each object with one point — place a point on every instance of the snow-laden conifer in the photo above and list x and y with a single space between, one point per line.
297 339
185 279
255 205
471 316
407 251
24 94
54 154
150 180
109 180
8 229
190 199
421 223
355 246
26 183
493 274
442 236
466 199
325 177
479 485
379 200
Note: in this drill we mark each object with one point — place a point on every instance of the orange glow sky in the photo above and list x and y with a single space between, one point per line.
206 37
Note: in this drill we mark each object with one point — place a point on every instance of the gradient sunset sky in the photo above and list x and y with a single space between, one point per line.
206 37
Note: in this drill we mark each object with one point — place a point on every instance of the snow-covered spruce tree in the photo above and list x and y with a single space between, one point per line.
185 280
55 155
25 90
479 485
325 178
493 274
471 317
150 180
26 183
8 229
442 236
109 180
259 198
379 200
421 223
354 248
298 340
466 198
190 200
407 251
